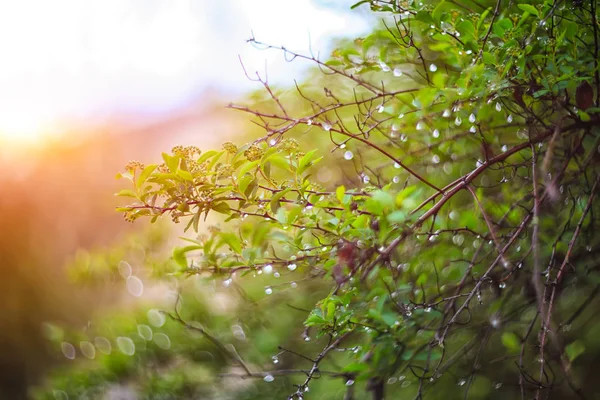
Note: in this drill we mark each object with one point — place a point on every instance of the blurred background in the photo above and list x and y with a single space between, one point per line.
86 86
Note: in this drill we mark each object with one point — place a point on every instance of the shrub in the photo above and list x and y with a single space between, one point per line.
439 178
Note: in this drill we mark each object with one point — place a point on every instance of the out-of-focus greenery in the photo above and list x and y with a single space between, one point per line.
425 205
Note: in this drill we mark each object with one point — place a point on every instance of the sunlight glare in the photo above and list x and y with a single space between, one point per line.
70 59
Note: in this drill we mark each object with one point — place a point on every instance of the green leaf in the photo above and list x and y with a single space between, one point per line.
126 193
466 29
501 26
222 208
482 17
359 3
571 29
340 192
356 367
511 341
488 58
424 17
397 217
530 9
276 197
206 156
144 175
574 350
244 182
171 161
308 160
185 175
585 117
246 168
232 241
179 254
436 14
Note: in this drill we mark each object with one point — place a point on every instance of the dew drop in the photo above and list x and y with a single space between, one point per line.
458 240
227 282
509 119
504 148
381 109
403 138
397 72
268 269
156 318
495 322
145 332
292 267
502 285
349 382
446 113
457 121
125 269
268 378
135 286
293 285
238 332
60 395
103 345
348 155
326 126
68 350
275 359
419 125
126 345
162 341
473 129
392 380
397 165
462 382
472 118
268 290
307 338
435 159
396 179
498 107
366 179
87 349
436 133
433 67
498 385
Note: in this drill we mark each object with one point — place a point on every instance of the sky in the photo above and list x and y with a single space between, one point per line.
78 59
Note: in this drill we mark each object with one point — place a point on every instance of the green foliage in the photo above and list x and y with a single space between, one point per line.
442 188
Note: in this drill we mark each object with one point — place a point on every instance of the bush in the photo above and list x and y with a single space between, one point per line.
438 178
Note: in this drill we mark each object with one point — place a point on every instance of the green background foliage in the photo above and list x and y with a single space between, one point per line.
418 214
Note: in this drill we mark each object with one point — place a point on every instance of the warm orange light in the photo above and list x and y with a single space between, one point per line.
24 128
